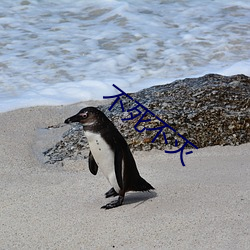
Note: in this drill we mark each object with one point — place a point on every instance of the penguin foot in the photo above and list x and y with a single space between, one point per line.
111 193
113 204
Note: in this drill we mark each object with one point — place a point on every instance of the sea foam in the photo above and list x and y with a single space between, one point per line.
62 52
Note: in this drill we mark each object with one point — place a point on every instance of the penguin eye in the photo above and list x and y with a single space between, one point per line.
84 115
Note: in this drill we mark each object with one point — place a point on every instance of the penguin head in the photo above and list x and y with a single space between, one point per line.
88 117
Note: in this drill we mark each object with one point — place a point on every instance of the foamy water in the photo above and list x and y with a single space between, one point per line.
61 52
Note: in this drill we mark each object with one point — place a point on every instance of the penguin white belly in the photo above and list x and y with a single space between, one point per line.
104 157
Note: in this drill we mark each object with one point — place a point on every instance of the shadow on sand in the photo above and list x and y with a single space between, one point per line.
138 198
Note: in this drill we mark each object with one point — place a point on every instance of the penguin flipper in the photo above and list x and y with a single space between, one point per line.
93 167
118 166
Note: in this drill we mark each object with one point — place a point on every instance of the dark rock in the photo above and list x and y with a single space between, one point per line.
209 110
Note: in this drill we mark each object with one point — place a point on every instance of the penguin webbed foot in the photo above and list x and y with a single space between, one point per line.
115 203
111 193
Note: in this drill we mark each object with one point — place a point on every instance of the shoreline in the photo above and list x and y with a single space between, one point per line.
203 205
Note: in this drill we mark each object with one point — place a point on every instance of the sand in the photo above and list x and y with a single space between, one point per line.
205 205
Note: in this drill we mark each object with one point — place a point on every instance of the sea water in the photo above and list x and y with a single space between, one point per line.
61 52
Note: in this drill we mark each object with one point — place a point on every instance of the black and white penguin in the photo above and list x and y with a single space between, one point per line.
110 152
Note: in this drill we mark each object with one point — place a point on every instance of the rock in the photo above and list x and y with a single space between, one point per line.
211 110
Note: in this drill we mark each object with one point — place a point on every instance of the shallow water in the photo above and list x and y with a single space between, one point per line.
63 52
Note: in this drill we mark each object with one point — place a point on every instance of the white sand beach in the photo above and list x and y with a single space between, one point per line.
204 205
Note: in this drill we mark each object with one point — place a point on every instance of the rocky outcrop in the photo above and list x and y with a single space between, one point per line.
209 110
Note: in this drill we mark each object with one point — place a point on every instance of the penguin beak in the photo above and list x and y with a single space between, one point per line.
74 118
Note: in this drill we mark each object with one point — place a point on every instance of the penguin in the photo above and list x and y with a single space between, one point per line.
110 152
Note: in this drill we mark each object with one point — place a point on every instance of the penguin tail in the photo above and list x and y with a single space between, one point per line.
141 185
